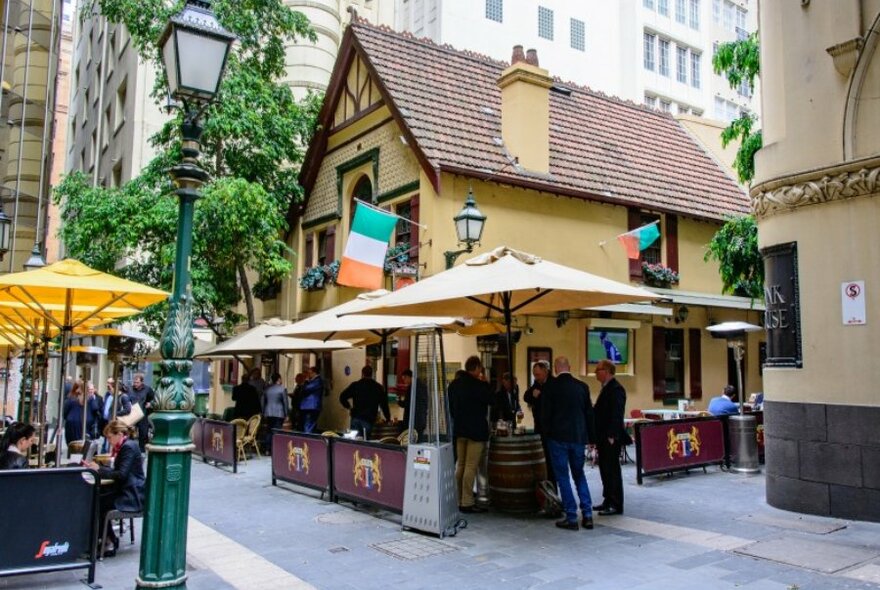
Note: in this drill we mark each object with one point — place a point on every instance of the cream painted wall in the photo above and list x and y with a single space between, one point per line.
797 66
849 249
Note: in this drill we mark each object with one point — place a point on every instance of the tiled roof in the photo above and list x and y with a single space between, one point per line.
600 147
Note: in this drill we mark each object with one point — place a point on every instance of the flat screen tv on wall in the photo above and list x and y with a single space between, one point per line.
608 343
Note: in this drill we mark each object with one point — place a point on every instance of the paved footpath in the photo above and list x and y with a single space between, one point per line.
700 531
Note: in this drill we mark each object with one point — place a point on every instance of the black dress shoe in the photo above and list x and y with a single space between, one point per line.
610 511
587 522
598 507
570 525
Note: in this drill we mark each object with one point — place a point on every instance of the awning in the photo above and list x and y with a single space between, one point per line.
709 299
643 308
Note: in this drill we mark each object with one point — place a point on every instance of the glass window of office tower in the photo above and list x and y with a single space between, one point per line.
680 11
696 60
663 7
649 51
545 23
578 35
664 57
495 10
681 55
695 15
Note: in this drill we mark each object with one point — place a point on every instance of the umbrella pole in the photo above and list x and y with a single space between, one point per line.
6 384
505 298
44 394
22 415
65 343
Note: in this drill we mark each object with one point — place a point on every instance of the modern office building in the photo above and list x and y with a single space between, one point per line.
30 42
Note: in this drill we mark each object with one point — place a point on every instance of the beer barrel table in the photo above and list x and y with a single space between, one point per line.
516 466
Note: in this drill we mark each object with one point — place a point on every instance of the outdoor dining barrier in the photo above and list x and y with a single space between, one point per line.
301 459
665 446
46 534
218 443
368 472
198 437
360 471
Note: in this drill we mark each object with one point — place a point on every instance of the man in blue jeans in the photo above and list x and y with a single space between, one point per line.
567 423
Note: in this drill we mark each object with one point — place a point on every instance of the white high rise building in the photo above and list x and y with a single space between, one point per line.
654 51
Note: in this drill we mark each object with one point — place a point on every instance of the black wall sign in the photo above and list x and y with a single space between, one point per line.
782 318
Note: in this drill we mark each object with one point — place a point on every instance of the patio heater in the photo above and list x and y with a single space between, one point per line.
430 501
743 427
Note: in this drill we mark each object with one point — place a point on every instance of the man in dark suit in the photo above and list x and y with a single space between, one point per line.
142 394
567 422
363 398
532 396
610 434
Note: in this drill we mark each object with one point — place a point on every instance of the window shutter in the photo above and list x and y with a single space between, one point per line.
330 245
695 363
672 242
414 230
403 345
634 220
658 356
309 258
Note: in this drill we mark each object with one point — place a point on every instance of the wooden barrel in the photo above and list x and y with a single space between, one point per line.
382 430
516 465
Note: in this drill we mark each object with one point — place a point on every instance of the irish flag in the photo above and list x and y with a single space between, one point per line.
638 239
364 258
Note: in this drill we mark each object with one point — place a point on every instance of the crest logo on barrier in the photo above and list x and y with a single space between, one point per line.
683 444
368 472
217 440
298 457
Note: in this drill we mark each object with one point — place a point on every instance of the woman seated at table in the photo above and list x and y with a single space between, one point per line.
16 442
127 473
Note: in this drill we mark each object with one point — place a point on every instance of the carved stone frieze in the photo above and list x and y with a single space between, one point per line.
842 182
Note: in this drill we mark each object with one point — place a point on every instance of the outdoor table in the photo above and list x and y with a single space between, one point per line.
516 466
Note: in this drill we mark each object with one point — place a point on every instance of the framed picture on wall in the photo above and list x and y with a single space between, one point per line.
539 353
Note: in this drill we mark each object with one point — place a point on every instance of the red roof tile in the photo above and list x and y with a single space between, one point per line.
600 147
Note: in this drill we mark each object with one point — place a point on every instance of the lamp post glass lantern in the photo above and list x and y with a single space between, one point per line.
5 225
194 48
468 227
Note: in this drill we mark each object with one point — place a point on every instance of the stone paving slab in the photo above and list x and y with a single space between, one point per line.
821 556
796 522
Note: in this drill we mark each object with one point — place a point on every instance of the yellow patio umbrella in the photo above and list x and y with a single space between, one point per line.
84 294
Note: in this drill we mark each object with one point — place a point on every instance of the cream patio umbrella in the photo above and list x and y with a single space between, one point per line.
504 283
264 338
83 294
337 322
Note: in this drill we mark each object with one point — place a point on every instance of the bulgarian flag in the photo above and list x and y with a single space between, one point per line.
640 238
364 258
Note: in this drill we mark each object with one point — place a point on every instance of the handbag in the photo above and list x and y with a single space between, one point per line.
133 417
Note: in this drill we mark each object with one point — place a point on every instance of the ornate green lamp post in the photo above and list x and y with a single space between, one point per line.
194 48
468 227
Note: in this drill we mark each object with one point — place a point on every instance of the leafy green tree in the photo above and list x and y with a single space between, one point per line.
739 61
735 247
253 144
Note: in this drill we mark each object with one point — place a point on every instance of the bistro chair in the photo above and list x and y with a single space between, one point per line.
250 436
240 430
330 433
120 516
403 438
389 440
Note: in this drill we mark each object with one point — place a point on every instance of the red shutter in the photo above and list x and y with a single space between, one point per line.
414 229
695 363
658 356
672 242
309 258
634 220
330 245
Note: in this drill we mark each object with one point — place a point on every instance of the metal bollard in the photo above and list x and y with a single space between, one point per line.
743 444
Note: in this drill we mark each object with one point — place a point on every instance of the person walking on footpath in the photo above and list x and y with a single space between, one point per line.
368 397
567 416
610 435
142 394
469 401
313 399
275 409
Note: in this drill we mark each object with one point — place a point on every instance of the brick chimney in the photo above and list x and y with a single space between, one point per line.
525 110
